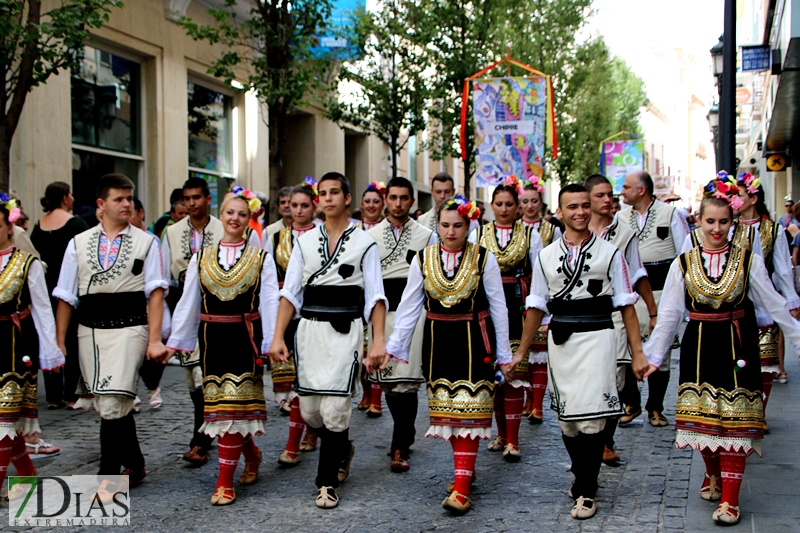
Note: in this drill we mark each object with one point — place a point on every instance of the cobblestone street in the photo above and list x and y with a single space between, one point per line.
649 492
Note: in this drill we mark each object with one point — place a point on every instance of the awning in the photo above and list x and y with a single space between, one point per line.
784 124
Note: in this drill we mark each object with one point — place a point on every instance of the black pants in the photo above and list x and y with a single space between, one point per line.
586 452
608 432
119 446
199 439
61 385
334 448
151 372
403 407
630 395
658 382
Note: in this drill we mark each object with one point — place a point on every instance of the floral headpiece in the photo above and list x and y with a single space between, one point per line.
378 187
465 207
725 188
533 183
248 196
310 185
750 182
11 205
513 183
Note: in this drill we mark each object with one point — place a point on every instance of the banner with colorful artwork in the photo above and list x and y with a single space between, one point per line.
620 158
511 127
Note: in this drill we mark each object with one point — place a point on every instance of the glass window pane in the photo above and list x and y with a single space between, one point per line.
87 168
209 124
105 102
218 187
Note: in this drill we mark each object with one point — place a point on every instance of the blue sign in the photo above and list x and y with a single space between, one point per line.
337 43
755 58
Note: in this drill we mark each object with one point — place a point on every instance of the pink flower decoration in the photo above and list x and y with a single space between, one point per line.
13 215
736 203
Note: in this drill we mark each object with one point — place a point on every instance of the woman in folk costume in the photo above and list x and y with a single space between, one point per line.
515 247
28 333
229 304
466 333
304 200
532 206
373 203
720 406
777 259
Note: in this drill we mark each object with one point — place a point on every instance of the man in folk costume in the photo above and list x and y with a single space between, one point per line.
333 282
399 238
442 188
608 227
28 335
180 242
531 203
113 275
661 230
580 280
284 210
373 203
304 200
753 213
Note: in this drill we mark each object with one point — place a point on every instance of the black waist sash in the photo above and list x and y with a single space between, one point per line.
579 316
112 310
339 305
393 289
657 273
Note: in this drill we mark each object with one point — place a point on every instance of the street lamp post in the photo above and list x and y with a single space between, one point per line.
713 122
727 130
716 58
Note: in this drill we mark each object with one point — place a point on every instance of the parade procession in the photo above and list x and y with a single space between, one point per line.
342 265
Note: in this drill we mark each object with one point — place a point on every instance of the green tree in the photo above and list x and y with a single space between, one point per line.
35 45
602 96
391 91
274 47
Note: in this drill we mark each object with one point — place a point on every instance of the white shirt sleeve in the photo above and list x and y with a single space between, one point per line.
764 295
783 275
67 287
556 234
50 356
671 310
679 227
270 248
373 282
186 320
536 246
269 297
407 314
166 252
473 237
264 239
154 270
687 245
634 260
621 282
540 292
292 290
493 286
434 238
254 240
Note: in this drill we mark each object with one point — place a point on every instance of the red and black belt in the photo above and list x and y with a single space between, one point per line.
247 318
17 317
467 317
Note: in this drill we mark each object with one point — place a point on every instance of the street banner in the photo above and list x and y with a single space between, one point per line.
620 158
511 127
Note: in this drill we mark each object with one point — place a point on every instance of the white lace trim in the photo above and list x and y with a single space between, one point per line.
517 383
87 404
701 441
771 368
537 358
449 432
288 396
242 427
23 426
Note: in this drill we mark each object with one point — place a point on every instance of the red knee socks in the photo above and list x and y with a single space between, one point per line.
538 373
767 378
249 449
375 395
229 448
5 457
465 451
20 458
500 411
366 388
711 459
732 467
296 426
512 404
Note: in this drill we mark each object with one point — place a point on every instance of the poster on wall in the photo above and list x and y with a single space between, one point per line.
511 117
620 158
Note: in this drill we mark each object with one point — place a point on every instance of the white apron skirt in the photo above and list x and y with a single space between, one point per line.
583 376
327 361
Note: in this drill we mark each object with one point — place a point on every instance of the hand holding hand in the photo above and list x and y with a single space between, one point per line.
278 352
377 358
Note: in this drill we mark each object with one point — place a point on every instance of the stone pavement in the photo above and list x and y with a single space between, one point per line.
648 493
